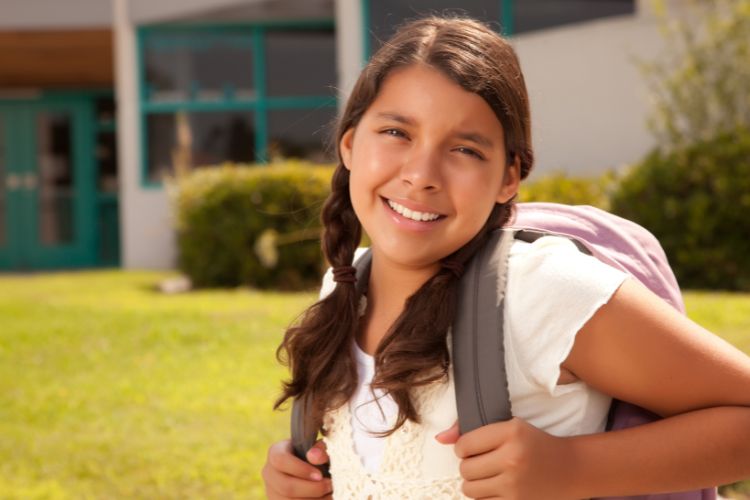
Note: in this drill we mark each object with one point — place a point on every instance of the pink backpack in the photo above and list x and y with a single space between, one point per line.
629 247
621 243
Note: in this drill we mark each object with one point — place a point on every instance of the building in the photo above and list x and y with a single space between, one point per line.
100 100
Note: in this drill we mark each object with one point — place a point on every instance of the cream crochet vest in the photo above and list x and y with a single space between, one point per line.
414 464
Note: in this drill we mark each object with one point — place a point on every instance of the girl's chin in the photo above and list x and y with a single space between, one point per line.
409 257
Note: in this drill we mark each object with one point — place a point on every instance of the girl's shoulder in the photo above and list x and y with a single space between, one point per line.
552 290
554 258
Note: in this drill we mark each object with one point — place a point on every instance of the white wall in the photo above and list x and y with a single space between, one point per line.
148 11
54 14
589 102
145 11
349 45
146 230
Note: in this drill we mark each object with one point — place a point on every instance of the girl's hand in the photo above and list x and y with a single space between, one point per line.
286 476
511 460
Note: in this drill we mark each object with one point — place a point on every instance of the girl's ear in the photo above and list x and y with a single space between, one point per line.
511 181
345 147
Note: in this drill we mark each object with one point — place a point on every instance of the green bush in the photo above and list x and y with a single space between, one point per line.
696 201
561 188
254 226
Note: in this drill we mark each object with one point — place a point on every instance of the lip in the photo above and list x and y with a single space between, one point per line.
410 224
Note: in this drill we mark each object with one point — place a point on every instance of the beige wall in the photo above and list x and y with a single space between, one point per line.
145 11
349 45
589 101
56 14
145 221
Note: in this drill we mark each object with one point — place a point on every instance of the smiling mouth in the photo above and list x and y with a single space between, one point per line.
412 214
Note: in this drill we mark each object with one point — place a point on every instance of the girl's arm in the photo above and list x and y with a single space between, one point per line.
638 349
683 452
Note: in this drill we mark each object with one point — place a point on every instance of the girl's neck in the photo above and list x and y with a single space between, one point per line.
388 289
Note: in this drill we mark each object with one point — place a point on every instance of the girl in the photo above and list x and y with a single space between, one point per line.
432 145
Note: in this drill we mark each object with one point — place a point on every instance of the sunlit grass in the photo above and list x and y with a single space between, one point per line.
110 389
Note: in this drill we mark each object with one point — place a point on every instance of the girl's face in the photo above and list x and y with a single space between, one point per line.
427 163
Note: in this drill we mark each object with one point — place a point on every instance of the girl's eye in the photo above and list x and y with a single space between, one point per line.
393 132
470 152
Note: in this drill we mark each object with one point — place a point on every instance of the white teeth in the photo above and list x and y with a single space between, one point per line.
412 214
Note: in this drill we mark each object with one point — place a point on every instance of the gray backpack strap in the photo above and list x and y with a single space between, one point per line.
477 337
303 438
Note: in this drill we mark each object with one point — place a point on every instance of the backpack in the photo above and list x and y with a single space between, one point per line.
477 350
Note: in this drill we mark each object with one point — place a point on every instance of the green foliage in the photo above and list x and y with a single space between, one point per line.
701 84
561 188
695 200
256 226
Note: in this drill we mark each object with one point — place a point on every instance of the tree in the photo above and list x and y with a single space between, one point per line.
701 87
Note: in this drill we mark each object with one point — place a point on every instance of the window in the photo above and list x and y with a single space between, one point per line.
530 15
106 145
201 66
183 140
236 93
300 63
56 192
385 16
302 133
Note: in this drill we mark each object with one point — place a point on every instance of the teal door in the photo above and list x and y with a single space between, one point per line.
46 184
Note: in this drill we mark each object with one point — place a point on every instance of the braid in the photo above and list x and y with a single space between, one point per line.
415 352
342 228
318 349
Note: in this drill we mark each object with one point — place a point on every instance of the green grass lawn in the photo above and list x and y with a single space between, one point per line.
110 389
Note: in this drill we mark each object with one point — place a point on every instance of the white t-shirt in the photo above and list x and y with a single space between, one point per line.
552 291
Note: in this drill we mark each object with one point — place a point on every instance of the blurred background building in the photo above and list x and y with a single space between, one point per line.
99 100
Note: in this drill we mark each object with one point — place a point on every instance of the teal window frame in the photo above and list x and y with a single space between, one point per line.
261 104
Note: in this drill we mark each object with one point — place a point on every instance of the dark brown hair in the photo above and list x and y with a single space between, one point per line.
414 352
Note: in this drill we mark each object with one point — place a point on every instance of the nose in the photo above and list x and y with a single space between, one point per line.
421 170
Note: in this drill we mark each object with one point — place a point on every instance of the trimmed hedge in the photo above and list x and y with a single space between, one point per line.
561 188
696 201
260 226
256 226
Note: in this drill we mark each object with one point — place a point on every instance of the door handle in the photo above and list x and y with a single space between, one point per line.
30 181
17 181
13 182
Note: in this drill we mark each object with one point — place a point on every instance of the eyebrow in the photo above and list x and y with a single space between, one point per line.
397 118
476 138
468 136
